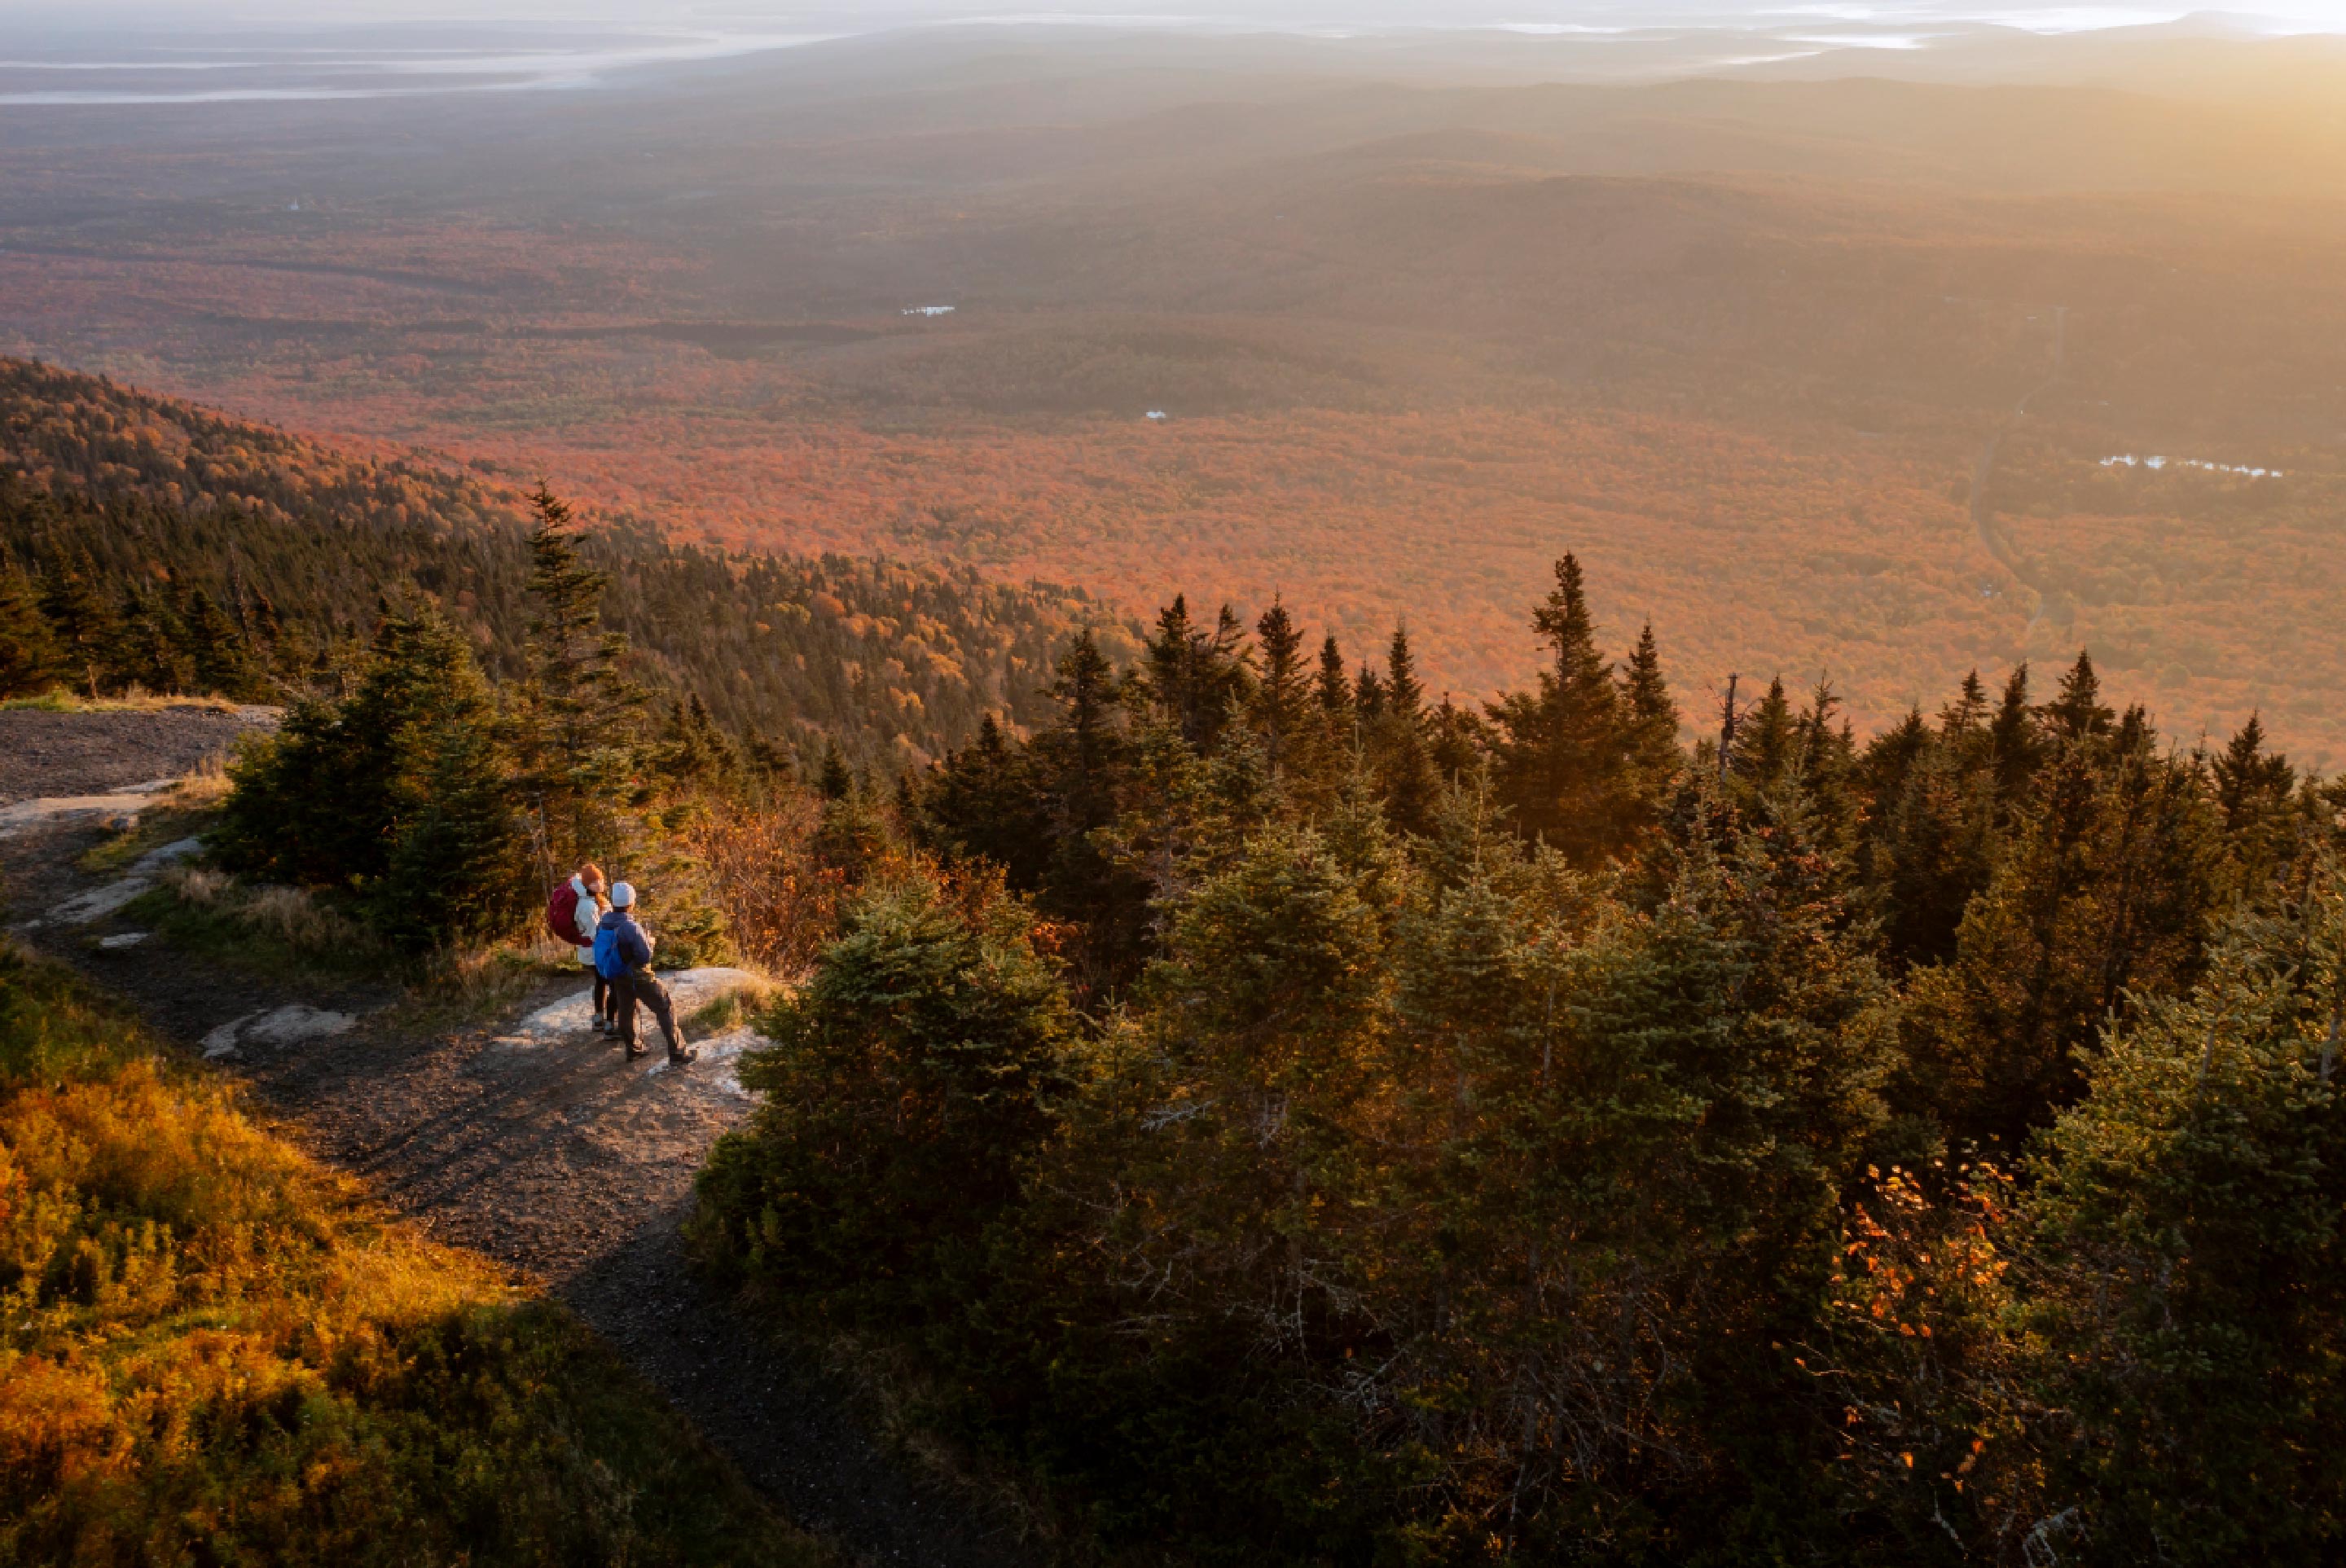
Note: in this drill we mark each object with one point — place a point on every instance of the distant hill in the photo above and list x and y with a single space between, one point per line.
154 501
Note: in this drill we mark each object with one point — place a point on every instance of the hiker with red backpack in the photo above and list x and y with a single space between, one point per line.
572 913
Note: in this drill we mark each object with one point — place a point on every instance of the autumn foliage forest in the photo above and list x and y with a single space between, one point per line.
1504 819
1739 345
149 545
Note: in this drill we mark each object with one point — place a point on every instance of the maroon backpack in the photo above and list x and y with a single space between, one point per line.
562 915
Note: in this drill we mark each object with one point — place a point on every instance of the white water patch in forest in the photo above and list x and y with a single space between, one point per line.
2128 459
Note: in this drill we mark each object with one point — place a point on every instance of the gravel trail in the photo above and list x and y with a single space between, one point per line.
535 1144
96 753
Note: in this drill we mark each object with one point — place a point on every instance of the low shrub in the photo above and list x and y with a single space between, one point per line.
213 1351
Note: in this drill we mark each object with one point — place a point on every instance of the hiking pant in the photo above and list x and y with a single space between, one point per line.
607 1000
634 987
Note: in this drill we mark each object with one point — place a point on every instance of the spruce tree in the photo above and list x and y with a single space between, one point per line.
220 659
1194 676
1404 693
2077 712
2187 1227
835 783
911 1082
1652 717
1767 742
1282 696
2255 789
2012 740
1968 712
84 621
28 648
1563 755
327 801
1335 686
2104 895
579 719
459 870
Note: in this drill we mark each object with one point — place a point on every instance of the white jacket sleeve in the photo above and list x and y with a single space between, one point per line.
587 915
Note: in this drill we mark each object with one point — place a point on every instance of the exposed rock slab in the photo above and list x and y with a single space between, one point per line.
292 1024
573 1018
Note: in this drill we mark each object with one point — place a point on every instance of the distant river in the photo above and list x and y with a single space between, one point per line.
276 68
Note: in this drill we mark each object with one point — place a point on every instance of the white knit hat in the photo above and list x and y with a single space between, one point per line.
623 895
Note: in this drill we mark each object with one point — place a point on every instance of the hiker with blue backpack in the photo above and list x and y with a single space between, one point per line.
623 956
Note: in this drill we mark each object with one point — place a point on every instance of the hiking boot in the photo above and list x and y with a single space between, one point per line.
684 1057
635 1051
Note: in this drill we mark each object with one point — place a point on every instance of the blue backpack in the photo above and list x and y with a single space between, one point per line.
607 961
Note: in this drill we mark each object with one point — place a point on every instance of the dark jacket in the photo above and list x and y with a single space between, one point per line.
620 946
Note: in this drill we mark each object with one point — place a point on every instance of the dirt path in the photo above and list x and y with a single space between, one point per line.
534 1141
89 754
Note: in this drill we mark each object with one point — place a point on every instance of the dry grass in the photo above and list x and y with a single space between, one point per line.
293 917
213 1349
204 787
735 1007
199 887
493 980
135 701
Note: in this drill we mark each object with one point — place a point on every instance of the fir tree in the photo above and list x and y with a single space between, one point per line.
28 650
1404 693
2012 740
2186 1221
1282 696
1335 686
577 716
835 783
2075 712
1651 715
83 621
1562 754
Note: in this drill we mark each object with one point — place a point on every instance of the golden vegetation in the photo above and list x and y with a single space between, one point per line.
214 1350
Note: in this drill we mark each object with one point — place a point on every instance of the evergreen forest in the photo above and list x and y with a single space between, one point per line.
1293 1120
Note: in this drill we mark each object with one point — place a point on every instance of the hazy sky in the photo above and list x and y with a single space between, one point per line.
761 16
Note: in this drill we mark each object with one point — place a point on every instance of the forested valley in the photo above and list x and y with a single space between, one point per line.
1269 1114
1397 797
148 544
